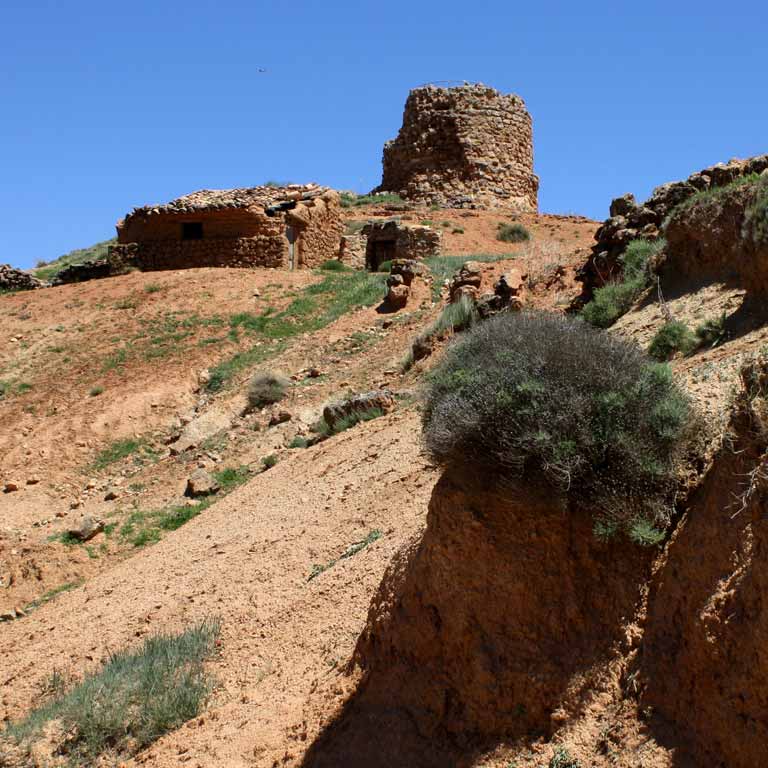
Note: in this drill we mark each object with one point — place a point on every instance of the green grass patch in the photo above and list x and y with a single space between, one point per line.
342 425
232 477
270 461
512 233
613 300
46 597
122 449
142 528
350 551
712 333
351 200
315 307
132 700
299 442
47 271
334 265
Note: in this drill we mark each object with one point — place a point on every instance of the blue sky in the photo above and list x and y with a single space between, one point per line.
107 105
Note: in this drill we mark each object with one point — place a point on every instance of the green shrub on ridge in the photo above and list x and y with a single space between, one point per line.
541 395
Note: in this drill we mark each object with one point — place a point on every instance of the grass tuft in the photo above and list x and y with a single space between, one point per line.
513 233
136 697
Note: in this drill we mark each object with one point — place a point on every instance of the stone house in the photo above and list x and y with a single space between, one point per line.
289 227
392 239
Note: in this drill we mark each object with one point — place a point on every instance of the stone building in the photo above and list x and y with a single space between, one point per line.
467 146
392 239
286 227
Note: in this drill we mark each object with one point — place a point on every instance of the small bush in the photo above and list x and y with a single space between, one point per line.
385 266
513 233
613 300
135 698
230 478
454 318
299 442
153 288
673 337
96 391
711 332
539 395
270 461
562 759
457 231
266 388
334 265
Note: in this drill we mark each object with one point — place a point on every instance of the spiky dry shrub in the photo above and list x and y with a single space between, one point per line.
266 388
539 395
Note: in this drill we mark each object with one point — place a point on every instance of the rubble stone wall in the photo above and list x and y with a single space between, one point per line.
389 240
468 146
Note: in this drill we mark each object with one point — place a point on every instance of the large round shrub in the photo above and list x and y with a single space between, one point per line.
546 396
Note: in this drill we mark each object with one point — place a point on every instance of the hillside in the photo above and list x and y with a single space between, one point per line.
375 609
48 270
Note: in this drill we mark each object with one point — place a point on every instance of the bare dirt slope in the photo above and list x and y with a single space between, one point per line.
122 359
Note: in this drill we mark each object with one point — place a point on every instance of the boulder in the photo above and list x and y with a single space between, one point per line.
86 528
623 206
408 269
469 275
397 296
200 483
381 399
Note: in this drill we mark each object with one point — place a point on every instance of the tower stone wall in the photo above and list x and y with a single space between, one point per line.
468 146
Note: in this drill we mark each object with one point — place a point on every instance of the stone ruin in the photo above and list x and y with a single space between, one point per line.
392 239
12 279
463 147
629 220
288 227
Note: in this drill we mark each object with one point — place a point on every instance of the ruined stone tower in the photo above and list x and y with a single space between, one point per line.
463 147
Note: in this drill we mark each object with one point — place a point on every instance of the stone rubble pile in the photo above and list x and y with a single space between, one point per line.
12 279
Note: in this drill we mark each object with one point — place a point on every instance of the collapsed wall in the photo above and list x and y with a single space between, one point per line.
468 146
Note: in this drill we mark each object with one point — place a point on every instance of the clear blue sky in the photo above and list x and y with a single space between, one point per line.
107 105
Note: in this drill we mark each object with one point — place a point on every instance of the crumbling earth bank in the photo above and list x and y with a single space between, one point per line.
496 624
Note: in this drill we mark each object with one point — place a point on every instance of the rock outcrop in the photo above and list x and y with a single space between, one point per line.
463 147
629 220
357 405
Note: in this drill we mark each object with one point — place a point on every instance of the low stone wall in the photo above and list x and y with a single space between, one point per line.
184 254
12 279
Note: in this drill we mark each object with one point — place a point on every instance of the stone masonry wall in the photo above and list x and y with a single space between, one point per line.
232 237
389 240
468 146
320 230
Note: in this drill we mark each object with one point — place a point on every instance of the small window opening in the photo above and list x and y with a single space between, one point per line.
192 230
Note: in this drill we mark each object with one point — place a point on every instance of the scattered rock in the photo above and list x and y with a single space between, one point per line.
33 480
10 487
86 529
279 417
200 483
397 296
470 275
111 494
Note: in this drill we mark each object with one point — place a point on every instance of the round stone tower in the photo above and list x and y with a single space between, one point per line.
462 147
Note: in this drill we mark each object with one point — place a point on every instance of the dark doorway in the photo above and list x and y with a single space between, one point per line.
192 230
380 251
